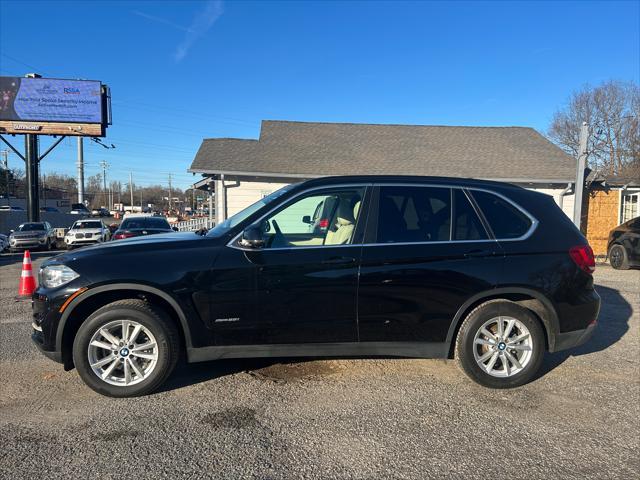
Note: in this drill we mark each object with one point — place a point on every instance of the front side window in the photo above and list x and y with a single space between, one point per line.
242 215
414 214
318 219
505 220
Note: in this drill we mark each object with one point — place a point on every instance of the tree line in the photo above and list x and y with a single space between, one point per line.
62 186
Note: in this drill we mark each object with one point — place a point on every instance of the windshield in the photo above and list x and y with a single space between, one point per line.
145 222
79 225
242 215
31 227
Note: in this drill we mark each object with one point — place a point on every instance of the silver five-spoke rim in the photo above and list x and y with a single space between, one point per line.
123 352
502 346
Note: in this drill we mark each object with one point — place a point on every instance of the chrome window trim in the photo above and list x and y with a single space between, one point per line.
532 228
233 243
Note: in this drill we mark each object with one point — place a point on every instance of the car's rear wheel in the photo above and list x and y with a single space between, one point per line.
618 257
126 348
500 345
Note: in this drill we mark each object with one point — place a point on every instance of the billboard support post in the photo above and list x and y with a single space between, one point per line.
31 158
80 171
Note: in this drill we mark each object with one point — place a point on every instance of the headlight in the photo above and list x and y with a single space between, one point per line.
53 276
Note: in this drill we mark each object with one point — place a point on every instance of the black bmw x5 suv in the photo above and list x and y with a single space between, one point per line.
488 273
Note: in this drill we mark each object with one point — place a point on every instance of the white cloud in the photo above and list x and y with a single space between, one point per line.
200 24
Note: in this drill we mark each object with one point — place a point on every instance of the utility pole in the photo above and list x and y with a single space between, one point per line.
80 166
104 166
131 188
169 192
582 164
31 158
5 165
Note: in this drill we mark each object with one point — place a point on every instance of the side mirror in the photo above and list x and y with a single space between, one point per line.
306 219
11 231
252 238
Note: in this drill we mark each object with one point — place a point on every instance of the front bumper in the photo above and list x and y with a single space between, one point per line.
45 320
83 241
28 242
38 338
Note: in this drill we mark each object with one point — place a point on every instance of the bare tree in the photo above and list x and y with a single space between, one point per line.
612 111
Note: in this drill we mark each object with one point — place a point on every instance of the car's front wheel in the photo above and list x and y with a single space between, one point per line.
126 348
618 257
500 345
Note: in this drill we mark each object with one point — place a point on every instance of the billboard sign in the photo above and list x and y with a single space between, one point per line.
52 106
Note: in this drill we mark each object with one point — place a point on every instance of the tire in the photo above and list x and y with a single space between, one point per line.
528 352
145 374
618 257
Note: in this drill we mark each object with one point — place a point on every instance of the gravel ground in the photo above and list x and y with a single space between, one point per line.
364 419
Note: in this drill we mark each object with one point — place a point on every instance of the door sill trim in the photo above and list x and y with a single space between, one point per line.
347 349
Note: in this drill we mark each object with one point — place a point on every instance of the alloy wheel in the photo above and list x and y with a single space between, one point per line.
616 257
502 346
123 352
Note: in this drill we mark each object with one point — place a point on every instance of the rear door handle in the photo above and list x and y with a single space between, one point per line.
339 261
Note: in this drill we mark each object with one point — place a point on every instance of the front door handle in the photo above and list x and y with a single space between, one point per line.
339 261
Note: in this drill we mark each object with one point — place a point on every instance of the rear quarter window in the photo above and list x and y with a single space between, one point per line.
505 220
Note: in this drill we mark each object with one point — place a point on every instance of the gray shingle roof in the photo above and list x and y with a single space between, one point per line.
304 149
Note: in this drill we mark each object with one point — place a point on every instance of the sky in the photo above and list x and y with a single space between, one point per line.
180 71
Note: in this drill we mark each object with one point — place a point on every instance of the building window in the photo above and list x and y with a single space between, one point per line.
629 205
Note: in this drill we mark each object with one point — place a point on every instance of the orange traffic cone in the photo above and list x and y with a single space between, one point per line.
27 281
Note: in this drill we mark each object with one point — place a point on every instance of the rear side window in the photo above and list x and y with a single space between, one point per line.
505 220
467 225
414 214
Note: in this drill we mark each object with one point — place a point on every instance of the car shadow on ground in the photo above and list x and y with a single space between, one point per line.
613 323
187 374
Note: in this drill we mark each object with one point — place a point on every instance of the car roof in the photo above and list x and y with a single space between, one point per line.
417 179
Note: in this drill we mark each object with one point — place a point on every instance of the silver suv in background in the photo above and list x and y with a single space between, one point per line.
37 235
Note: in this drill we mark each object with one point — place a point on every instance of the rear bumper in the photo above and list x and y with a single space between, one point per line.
574 339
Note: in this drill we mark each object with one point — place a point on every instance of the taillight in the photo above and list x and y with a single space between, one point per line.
583 256
121 235
323 223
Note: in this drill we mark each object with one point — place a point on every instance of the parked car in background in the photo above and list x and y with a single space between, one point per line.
79 209
11 208
49 209
100 212
489 273
624 245
4 242
86 232
135 225
38 235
